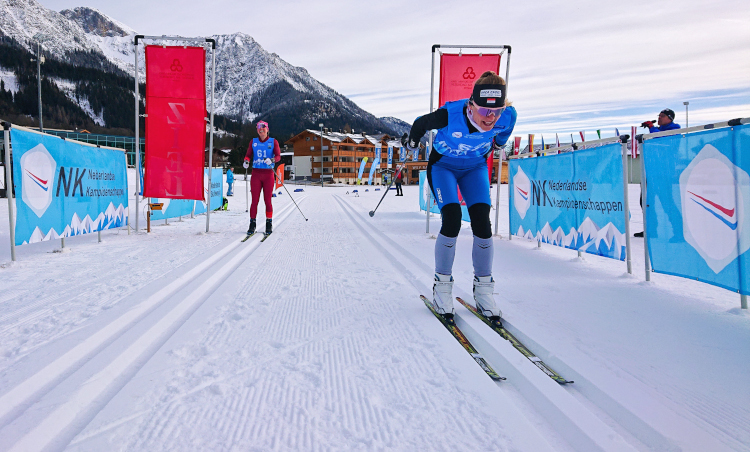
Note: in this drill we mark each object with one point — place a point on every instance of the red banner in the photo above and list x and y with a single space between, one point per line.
279 176
459 72
175 124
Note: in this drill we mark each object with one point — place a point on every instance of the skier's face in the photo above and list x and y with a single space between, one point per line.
485 123
263 132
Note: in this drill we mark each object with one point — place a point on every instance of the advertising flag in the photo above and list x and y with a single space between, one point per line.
390 156
633 142
402 154
599 133
531 142
279 176
175 122
516 145
459 72
374 166
697 206
583 136
65 188
617 132
557 141
361 170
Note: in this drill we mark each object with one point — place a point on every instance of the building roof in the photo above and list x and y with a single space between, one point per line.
357 138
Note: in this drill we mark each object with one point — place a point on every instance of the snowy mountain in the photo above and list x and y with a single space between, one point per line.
250 82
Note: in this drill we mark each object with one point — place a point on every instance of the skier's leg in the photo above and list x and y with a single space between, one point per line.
267 198
475 189
443 184
255 184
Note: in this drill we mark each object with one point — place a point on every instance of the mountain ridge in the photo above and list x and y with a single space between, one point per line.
251 83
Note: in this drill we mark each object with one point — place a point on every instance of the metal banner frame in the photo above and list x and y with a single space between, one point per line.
204 42
502 49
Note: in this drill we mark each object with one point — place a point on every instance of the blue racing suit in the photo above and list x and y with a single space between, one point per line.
459 161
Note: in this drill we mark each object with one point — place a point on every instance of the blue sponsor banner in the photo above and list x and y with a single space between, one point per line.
173 208
698 206
415 154
216 190
574 200
373 167
402 154
390 156
65 188
425 195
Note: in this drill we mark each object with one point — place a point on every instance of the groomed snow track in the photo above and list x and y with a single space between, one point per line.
52 406
583 413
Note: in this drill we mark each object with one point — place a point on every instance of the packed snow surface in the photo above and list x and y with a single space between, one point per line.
316 339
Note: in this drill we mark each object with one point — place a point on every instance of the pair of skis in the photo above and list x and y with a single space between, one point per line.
499 329
247 237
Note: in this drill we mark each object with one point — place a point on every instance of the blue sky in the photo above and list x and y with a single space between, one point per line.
576 65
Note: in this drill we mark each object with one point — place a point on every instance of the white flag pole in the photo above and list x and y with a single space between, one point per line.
9 190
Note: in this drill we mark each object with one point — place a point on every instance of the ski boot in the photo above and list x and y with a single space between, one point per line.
484 300
268 226
442 296
251 229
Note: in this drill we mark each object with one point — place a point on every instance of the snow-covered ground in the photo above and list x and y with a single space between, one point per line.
316 340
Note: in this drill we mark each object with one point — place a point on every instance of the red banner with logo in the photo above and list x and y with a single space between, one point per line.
175 124
279 176
459 72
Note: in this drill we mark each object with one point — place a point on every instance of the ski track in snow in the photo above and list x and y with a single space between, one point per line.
320 355
317 340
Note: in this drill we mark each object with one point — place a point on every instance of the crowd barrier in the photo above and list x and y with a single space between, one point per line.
576 200
695 188
697 203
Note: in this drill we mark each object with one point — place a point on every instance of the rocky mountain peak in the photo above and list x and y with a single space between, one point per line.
97 23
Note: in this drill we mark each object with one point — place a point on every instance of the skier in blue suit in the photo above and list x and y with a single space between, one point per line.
468 130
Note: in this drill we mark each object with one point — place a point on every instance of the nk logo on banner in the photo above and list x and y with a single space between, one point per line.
574 200
698 209
66 188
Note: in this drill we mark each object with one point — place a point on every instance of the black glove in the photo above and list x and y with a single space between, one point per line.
647 124
410 145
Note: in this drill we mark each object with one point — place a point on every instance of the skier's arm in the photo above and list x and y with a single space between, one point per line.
435 120
249 154
276 154
502 137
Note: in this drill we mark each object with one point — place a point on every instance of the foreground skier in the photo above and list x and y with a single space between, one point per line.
468 130
264 153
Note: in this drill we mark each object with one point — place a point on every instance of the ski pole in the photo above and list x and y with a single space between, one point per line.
372 212
290 195
247 196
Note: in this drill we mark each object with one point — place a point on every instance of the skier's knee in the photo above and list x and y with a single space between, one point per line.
480 220
451 220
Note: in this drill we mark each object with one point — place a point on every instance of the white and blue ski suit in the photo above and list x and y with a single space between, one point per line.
459 159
